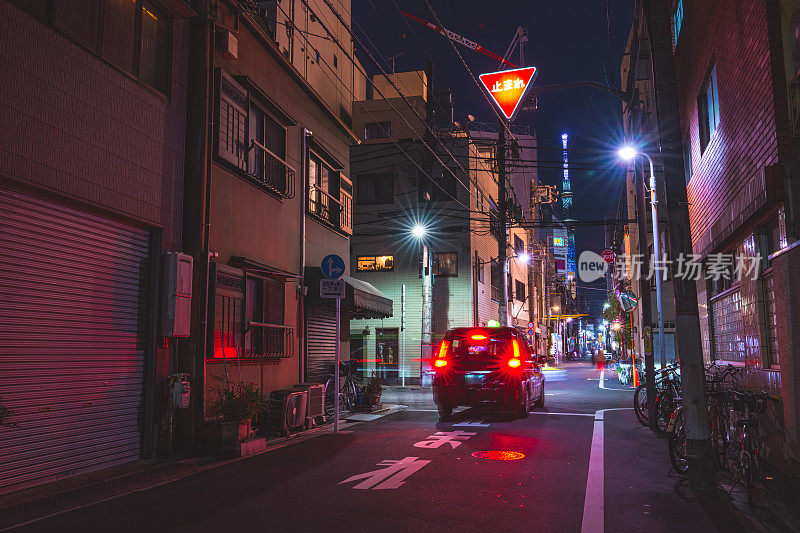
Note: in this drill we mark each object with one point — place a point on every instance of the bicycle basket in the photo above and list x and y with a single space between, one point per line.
754 403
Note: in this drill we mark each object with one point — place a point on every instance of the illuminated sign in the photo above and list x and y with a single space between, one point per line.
509 87
558 241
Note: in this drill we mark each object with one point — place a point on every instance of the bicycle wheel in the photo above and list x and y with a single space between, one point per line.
718 439
349 395
640 404
677 445
751 472
664 409
330 397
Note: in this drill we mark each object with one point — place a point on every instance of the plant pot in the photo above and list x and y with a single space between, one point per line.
235 432
371 399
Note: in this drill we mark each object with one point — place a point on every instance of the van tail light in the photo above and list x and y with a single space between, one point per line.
513 363
441 360
515 346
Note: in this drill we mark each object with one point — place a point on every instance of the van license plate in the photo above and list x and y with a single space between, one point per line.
473 379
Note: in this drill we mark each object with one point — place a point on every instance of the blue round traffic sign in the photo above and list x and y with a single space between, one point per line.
332 266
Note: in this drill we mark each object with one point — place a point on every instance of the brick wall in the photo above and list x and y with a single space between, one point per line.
753 128
73 124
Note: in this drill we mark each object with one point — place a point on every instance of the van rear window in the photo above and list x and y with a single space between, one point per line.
473 346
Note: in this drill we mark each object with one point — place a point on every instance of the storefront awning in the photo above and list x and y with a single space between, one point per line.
365 301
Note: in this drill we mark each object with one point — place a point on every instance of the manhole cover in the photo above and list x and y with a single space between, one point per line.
499 455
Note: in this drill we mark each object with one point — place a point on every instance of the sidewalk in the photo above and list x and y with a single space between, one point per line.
38 502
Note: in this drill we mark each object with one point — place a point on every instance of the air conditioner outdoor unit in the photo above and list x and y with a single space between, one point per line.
287 410
315 400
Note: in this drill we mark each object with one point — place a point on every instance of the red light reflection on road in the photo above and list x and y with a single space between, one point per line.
499 455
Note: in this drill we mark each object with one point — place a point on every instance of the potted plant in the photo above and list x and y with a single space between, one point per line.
237 402
372 391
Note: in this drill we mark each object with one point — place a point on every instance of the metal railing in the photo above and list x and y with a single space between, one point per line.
271 171
328 208
268 341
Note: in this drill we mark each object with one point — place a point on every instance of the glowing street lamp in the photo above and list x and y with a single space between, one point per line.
606 306
524 258
418 231
628 153
616 326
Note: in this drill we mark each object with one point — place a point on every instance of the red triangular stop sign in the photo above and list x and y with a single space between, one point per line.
509 87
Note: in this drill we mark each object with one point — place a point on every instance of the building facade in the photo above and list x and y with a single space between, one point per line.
270 196
91 188
452 267
641 130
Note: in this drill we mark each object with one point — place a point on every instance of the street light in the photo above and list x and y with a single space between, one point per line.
628 153
419 231
606 306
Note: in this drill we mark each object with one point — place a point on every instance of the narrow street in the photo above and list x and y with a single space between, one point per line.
304 487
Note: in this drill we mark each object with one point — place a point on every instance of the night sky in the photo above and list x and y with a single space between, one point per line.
568 41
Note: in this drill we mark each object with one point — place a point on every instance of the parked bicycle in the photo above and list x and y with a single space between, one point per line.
348 389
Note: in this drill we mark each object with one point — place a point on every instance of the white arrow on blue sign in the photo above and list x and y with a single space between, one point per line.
332 266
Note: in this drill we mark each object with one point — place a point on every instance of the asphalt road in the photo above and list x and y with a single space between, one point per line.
569 468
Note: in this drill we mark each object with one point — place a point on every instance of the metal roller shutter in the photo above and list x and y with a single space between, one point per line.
320 343
72 339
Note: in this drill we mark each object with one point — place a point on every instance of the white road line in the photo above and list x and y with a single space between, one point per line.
602 378
594 501
560 414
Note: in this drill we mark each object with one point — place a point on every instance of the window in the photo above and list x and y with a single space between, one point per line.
366 263
78 20
708 109
480 200
519 290
335 61
495 281
378 130
316 55
445 188
119 34
519 245
376 189
509 287
154 47
677 20
445 264
267 152
687 157
133 35
494 221
232 133
265 306
326 194
480 269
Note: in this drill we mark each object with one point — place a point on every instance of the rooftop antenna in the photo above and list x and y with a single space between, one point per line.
393 58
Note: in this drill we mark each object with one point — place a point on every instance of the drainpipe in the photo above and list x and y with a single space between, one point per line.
201 377
301 330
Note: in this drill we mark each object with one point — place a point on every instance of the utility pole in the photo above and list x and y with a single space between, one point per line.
427 294
687 321
502 207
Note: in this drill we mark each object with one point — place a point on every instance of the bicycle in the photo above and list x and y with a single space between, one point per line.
348 389
640 395
677 430
743 440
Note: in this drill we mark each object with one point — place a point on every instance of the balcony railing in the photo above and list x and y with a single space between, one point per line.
271 171
324 206
268 341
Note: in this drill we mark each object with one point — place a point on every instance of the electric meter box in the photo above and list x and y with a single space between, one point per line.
177 294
